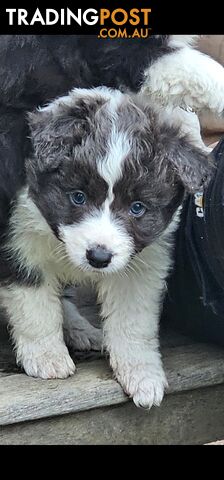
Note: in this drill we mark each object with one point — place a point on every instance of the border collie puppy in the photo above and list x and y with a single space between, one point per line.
100 202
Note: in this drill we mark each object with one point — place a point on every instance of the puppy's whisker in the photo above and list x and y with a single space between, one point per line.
122 273
130 268
138 259
134 265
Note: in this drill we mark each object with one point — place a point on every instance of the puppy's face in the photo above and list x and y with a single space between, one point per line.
107 175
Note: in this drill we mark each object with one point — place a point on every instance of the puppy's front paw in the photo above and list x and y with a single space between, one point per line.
145 385
46 363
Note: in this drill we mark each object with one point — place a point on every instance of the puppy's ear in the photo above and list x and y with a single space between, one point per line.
55 131
193 166
178 148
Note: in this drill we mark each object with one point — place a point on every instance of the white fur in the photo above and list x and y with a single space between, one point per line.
111 168
186 77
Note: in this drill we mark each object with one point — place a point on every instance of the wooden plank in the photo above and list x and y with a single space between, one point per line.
192 417
23 398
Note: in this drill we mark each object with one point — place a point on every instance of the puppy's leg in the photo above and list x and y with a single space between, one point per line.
131 308
35 316
78 332
186 77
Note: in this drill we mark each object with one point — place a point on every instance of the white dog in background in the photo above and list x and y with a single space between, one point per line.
186 78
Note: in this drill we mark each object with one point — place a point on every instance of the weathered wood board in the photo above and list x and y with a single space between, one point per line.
192 417
23 398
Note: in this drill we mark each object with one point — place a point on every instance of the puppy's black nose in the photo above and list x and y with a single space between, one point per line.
98 257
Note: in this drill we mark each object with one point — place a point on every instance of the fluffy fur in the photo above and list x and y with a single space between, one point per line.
115 151
186 78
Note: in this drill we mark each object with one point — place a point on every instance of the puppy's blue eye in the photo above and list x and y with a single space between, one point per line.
77 198
137 209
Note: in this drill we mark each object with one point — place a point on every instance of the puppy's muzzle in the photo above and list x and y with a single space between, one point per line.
99 257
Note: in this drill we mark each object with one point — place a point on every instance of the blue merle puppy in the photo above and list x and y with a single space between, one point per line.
100 202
